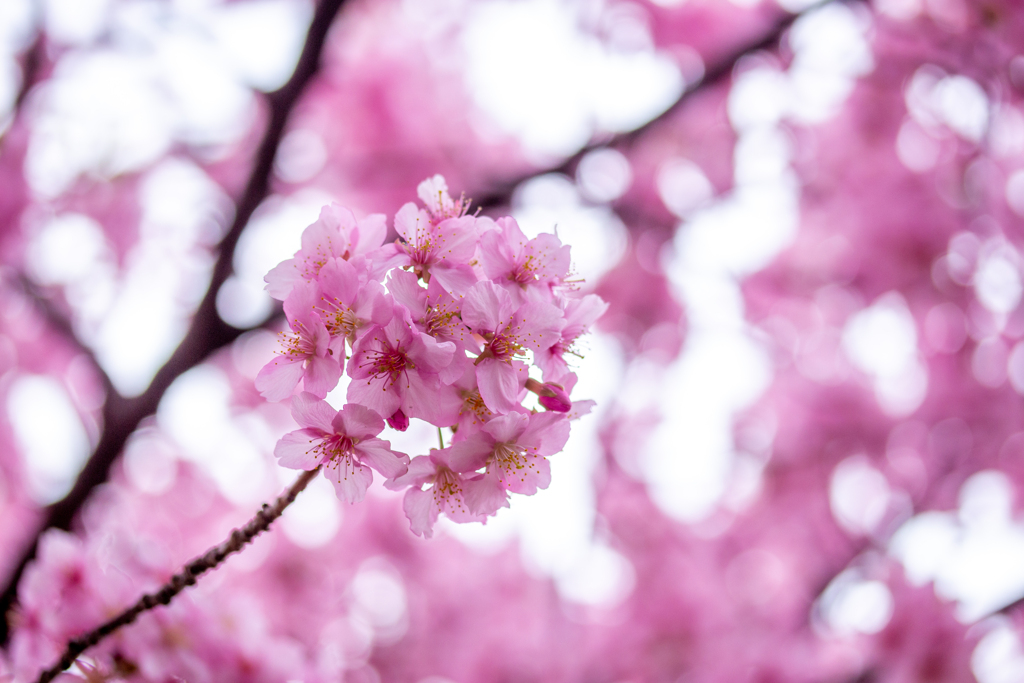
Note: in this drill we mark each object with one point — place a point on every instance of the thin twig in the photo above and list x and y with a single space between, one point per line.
207 333
186 577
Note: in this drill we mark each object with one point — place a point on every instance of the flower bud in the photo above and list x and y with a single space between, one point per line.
398 420
550 395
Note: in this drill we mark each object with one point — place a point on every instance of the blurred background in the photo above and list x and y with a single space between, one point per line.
806 217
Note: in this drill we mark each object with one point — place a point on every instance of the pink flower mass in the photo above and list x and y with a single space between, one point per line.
481 341
411 350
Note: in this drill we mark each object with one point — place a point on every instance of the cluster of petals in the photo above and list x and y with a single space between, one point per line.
458 322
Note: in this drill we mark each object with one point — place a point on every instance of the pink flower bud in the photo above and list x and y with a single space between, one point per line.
550 395
398 420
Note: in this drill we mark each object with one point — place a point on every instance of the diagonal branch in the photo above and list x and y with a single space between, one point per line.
207 332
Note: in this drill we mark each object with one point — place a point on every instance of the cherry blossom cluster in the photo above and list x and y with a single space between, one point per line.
457 323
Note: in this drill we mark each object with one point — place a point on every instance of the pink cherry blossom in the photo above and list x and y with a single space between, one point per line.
580 314
394 367
448 488
441 250
436 313
526 267
509 331
513 448
343 442
348 304
335 234
308 353
433 192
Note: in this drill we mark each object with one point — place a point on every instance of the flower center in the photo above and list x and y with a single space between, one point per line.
297 345
504 347
447 489
389 364
340 319
473 403
510 459
438 320
525 272
334 449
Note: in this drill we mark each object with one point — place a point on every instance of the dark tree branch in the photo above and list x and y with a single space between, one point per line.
717 73
32 62
207 333
186 577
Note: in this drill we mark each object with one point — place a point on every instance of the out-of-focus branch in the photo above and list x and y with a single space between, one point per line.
207 333
33 60
716 73
211 559
62 325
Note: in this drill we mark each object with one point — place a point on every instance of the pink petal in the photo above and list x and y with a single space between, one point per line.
456 369
426 399
339 280
430 355
457 239
357 422
405 287
537 476
552 364
499 384
538 324
301 303
309 411
377 454
580 408
399 332
374 393
420 510
359 365
323 237
512 233
496 258
411 222
421 470
295 449
455 508
372 231
387 257
350 479
485 495
547 433
550 257
507 428
373 305
432 192
321 375
584 312
456 279
282 278
471 454
486 305
278 378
